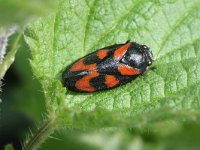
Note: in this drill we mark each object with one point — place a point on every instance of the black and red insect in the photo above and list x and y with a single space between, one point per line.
108 67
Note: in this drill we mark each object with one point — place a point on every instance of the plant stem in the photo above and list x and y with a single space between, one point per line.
41 135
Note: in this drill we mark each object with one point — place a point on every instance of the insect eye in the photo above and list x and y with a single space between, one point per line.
149 62
144 47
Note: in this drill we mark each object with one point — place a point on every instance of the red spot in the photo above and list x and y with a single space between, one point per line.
84 83
79 65
119 53
126 70
111 81
102 53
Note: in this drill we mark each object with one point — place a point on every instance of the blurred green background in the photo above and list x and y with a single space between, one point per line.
23 106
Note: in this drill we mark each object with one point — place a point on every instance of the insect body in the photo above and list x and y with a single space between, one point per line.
108 67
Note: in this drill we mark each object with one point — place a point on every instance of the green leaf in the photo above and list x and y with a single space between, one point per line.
168 93
183 139
5 62
9 147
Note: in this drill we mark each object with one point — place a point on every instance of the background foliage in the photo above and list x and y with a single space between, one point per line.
157 111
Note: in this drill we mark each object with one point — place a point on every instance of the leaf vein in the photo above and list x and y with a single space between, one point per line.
175 26
89 15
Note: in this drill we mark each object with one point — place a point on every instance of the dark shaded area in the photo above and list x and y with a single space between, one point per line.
22 103
11 80
13 125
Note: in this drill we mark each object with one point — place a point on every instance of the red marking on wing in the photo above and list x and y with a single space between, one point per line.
84 83
79 65
119 53
102 54
126 70
111 81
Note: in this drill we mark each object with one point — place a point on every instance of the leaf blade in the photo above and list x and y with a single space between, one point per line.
174 39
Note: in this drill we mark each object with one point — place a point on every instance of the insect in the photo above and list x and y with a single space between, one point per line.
108 67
